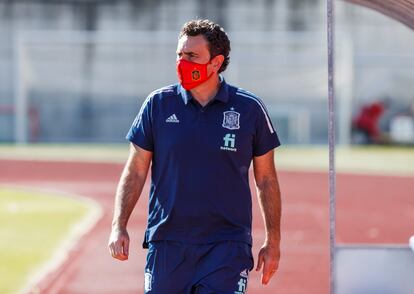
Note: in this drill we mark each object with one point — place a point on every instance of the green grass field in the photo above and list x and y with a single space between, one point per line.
32 226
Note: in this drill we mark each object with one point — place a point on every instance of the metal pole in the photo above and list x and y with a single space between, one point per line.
331 135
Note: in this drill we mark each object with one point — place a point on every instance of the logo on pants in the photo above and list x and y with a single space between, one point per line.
147 281
242 286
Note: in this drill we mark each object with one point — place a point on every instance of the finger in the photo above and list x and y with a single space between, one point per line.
269 269
259 261
111 249
114 251
266 279
265 275
126 247
118 251
121 257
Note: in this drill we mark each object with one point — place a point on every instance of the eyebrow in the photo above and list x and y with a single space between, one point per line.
187 52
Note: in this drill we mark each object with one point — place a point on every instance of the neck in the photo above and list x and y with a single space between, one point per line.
205 92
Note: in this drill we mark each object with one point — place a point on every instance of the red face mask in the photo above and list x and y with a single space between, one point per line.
191 74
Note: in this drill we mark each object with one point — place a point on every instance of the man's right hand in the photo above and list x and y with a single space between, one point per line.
119 244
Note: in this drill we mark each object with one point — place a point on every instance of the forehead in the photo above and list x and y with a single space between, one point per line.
192 43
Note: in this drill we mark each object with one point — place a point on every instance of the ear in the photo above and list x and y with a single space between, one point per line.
216 62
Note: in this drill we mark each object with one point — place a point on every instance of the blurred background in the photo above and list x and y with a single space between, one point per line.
78 71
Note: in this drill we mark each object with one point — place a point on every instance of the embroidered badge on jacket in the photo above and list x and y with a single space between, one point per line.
231 120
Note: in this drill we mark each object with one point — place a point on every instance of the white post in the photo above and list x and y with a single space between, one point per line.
331 139
20 94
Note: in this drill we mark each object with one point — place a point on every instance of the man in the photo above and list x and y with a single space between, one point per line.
366 125
201 136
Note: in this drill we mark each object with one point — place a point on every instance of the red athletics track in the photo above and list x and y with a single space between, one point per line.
371 209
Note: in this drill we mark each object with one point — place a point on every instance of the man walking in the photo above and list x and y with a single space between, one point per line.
201 136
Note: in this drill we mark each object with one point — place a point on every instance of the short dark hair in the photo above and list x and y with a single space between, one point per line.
218 41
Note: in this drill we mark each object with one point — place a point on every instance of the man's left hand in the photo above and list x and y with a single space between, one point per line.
269 256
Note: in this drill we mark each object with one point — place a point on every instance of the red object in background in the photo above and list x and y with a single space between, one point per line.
368 119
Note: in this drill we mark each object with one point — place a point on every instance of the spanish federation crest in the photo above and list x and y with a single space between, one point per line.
231 120
195 75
